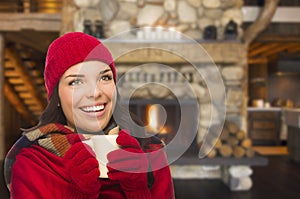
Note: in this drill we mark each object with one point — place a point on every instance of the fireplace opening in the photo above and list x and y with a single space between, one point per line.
167 118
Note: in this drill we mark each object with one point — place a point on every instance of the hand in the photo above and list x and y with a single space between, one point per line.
83 168
128 165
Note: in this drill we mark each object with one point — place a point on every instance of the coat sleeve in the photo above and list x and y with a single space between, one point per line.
163 184
37 173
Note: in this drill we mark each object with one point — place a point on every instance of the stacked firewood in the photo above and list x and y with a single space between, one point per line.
233 142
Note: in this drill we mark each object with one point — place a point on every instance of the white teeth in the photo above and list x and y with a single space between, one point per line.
93 108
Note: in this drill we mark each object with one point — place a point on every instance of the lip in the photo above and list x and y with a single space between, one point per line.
96 110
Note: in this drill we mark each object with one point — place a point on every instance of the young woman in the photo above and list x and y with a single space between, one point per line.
51 161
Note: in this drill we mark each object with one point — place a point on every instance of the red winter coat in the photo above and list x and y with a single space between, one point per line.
39 174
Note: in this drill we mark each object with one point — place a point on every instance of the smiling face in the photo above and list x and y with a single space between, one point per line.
87 95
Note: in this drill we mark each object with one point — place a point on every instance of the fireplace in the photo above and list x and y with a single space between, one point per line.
167 119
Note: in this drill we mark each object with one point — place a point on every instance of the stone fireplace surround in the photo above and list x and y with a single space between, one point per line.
228 57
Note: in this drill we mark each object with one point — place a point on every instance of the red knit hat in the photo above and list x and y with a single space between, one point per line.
70 49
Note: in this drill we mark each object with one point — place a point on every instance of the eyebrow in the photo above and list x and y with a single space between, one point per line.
104 71
78 75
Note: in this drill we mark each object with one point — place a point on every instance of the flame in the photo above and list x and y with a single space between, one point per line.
154 119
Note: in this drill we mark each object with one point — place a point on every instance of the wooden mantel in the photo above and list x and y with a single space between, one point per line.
30 21
135 51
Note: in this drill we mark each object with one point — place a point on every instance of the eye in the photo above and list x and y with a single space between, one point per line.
106 78
75 82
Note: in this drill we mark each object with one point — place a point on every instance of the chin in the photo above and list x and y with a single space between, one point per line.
92 127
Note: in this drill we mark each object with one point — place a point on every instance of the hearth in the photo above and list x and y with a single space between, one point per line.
174 122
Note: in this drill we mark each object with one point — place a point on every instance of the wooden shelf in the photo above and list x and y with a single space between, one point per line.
257 160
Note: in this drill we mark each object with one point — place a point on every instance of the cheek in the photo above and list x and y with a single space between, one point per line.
110 91
66 101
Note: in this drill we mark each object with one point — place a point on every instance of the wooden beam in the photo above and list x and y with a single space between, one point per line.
30 21
262 49
181 52
255 45
261 60
278 49
294 49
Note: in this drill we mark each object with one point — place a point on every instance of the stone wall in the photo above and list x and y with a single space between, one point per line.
190 17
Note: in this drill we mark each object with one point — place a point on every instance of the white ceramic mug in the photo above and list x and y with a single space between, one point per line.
102 145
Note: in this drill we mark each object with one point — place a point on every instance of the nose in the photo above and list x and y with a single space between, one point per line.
94 90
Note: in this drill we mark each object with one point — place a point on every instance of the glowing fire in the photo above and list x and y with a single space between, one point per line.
156 118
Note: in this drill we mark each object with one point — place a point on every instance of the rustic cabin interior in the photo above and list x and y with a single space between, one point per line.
231 65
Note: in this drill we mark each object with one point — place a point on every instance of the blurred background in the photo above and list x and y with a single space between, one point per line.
254 44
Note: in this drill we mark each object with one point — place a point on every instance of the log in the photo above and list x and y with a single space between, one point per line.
250 152
232 141
212 153
218 144
246 143
240 135
232 127
208 150
224 134
238 151
225 150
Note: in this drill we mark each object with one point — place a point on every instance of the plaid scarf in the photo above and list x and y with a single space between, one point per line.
54 137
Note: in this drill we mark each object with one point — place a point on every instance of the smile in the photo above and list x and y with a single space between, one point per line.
90 109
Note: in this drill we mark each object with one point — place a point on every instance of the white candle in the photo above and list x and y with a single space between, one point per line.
147 32
159 32
172 33
166 34
140 34
152 35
